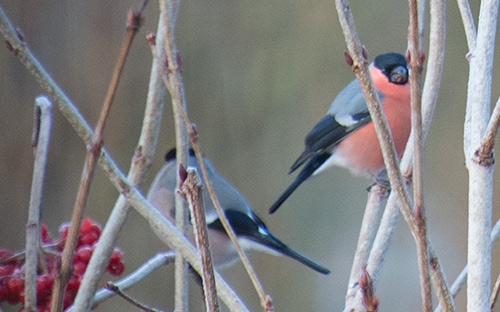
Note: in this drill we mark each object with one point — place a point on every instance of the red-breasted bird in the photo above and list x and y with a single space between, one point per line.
251 232
346 136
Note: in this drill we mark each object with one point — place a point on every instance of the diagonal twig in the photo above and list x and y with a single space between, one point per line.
116 289
134 20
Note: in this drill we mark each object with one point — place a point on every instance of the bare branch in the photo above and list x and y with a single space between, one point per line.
480 176
485 151
116 289
416 67
192 190
468 21
43 123
168 14
494 293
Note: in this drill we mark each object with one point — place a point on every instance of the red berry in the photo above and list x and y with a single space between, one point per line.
79 268
86 224
16 285
7 269
83 254
69 298
88 238
116 268
73 283
44 283
116 256
96 227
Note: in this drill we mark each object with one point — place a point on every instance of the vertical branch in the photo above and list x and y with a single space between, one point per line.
468 21
169 11
415 66
41 139
192 190
480 175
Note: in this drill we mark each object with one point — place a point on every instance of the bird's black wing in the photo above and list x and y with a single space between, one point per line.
328 132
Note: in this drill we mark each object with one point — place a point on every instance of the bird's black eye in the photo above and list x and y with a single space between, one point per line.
399 75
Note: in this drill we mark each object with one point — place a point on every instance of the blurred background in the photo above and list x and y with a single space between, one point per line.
258 76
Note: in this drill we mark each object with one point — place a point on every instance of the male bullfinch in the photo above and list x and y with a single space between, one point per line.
346 136
251 232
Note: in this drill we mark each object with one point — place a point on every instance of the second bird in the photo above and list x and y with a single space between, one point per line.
251 232
346 135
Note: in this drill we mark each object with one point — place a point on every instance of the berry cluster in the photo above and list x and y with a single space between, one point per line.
12 266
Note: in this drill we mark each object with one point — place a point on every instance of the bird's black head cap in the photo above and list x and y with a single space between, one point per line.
394 66
173 153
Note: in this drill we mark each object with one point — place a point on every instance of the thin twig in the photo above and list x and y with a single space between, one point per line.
416 67
43 121
114 288
438 279
138 275
192 190
494 293
367 234
468 21
134 20
485 151
169 11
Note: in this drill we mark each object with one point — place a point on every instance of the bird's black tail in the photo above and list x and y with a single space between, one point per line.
314 163
274 243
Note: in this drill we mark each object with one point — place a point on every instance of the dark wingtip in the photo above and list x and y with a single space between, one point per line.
314 163
173 152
